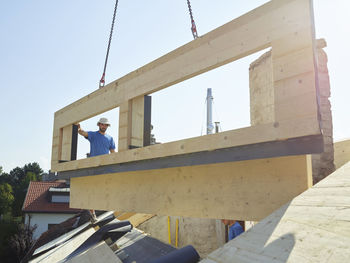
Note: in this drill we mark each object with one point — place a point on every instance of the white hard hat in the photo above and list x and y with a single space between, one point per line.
103 121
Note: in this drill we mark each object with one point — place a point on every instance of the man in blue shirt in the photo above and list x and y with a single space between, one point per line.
100 142
234 228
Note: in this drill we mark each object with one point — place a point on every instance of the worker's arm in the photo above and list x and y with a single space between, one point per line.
82 132
112 146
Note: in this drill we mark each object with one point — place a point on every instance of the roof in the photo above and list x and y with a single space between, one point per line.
62 232
57 231
62 242
37 200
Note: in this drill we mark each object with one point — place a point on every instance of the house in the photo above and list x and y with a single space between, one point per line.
47 204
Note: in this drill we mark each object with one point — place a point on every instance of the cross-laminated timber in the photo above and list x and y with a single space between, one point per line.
246 190
313 227
341 153
284 25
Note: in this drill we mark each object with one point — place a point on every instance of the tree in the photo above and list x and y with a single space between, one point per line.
8 228
22 241
16 182
4 177
16 175
6 198
35 169
20 193
19 179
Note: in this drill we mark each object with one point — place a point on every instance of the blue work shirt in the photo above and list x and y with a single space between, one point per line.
234 231
99 143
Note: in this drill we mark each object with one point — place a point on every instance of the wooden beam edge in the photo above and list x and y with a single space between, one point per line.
256 134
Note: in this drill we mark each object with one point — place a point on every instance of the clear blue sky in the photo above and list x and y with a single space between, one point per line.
52 53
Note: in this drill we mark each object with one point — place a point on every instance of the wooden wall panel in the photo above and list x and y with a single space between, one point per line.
292 64
131 124
66 143
124 126
341 153
289 72
313 227
261 91
255 134
137 120
285 25
236 39
246 190
286 89
55 149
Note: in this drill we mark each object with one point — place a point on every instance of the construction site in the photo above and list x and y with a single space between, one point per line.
282 180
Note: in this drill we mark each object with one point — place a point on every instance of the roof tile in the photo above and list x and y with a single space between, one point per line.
36 199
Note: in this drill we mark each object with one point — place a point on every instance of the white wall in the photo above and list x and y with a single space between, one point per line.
42 220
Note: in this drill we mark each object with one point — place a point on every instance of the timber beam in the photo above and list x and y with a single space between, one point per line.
296 146
244 190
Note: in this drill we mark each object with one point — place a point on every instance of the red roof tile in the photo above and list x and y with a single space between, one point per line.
37 200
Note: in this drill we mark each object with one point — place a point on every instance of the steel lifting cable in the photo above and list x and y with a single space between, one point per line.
102 80
193 24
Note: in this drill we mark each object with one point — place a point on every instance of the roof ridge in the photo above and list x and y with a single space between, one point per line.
25 198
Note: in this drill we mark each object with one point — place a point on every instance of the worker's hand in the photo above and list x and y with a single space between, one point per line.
79 128
81 131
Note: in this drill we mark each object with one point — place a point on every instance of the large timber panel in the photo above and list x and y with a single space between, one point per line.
341 153
246 190
313 227
284 25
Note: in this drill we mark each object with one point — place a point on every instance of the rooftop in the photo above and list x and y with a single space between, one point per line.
37 200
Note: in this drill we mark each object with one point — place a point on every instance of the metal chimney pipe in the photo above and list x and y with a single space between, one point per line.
210 126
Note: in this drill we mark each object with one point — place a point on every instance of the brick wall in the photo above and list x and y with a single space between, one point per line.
323 164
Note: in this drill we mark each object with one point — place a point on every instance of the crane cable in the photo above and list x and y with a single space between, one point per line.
102 80
193 29
193 24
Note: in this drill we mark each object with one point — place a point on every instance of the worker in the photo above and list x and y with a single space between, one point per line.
100 142
234 228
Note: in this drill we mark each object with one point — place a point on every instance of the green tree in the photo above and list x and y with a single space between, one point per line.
22 241
6 198
35 169
12 250
20 178
30 176
4 177
7 230
16 176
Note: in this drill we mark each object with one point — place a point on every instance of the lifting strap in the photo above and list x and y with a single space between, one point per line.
193 29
